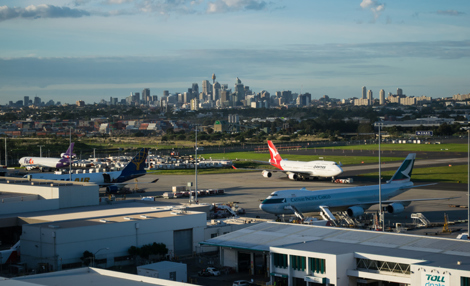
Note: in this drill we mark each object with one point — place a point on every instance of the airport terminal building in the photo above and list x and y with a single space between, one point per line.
314 255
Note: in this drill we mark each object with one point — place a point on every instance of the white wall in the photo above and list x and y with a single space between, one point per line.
72 240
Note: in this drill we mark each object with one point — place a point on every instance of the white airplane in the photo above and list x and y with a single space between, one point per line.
45 163
299 169
10 255
113 181
353 200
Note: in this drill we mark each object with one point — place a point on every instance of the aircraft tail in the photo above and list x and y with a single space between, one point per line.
403 174
275 157
137 165
69 153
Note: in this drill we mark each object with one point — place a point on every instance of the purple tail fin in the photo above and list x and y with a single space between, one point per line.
69 152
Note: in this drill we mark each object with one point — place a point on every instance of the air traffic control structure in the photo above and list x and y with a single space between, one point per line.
296 254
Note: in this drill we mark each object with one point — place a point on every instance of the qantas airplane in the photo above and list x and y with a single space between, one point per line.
113 181
45 163
301 170
353 200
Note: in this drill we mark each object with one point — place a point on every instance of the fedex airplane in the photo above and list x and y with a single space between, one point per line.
298 169
48 162
113 181
354 200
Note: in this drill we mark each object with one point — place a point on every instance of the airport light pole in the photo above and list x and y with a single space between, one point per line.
40 150
195 167
70 156
381 218
6 156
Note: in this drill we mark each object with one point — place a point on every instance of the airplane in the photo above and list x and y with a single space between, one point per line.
10 255
45 163
353 200
296 170
113 181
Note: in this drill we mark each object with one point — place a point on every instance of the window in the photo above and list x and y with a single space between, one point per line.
280 260
317 265
213 235
379 266
173 275
297 262
464 281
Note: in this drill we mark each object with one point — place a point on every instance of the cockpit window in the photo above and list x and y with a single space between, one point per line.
273 194
274 201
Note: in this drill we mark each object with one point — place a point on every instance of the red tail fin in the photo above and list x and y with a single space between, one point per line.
275 157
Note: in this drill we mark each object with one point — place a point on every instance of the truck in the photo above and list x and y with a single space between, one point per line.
178 189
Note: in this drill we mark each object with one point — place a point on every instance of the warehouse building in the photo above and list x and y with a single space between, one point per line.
314 255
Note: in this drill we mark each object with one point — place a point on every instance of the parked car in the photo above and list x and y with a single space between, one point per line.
209 271
213 271
242 283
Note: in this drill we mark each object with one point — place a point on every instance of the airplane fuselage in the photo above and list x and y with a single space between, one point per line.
100 179
43 162
313 168
335 199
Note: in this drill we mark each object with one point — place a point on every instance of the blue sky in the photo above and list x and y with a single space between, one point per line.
67 50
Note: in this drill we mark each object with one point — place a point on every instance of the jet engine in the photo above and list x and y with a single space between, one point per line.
266 174
355 211
395 208
112 189
292 176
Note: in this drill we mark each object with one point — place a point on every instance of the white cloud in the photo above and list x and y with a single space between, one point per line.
375 7
40 11
114 2
223 6
450 13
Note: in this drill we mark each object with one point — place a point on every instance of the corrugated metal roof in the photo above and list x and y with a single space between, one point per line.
264 235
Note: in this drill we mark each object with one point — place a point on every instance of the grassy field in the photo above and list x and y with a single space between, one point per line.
454 174
407 147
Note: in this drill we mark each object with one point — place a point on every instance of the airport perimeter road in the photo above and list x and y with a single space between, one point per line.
249 189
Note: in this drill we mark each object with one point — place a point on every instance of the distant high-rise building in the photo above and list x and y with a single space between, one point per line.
194 104
26 101
370 96
166 93
80 103
364 92
195 89
382 97
215 91
399 92
146 95
239 89
37 101
206 87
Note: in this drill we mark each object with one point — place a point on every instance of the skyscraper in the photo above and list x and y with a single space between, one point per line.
364 92
215 91
370 96
239 89
146 95
26 101
399 92
382 97
206 87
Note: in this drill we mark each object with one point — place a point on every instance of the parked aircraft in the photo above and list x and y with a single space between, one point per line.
113 181
46 163
354 200
10 255
299 169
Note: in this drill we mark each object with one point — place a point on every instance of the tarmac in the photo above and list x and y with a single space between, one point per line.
248 189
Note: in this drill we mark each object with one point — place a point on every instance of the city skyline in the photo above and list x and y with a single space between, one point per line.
92 50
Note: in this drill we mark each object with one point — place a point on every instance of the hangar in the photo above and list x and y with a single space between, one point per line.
296 254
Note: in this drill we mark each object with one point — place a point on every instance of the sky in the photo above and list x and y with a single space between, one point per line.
69 50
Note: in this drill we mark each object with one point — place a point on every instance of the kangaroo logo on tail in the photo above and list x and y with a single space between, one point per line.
275 157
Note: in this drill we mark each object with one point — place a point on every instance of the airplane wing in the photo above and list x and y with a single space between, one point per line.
127 183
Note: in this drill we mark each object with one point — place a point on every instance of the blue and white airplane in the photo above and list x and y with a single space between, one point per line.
113 181
354 200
